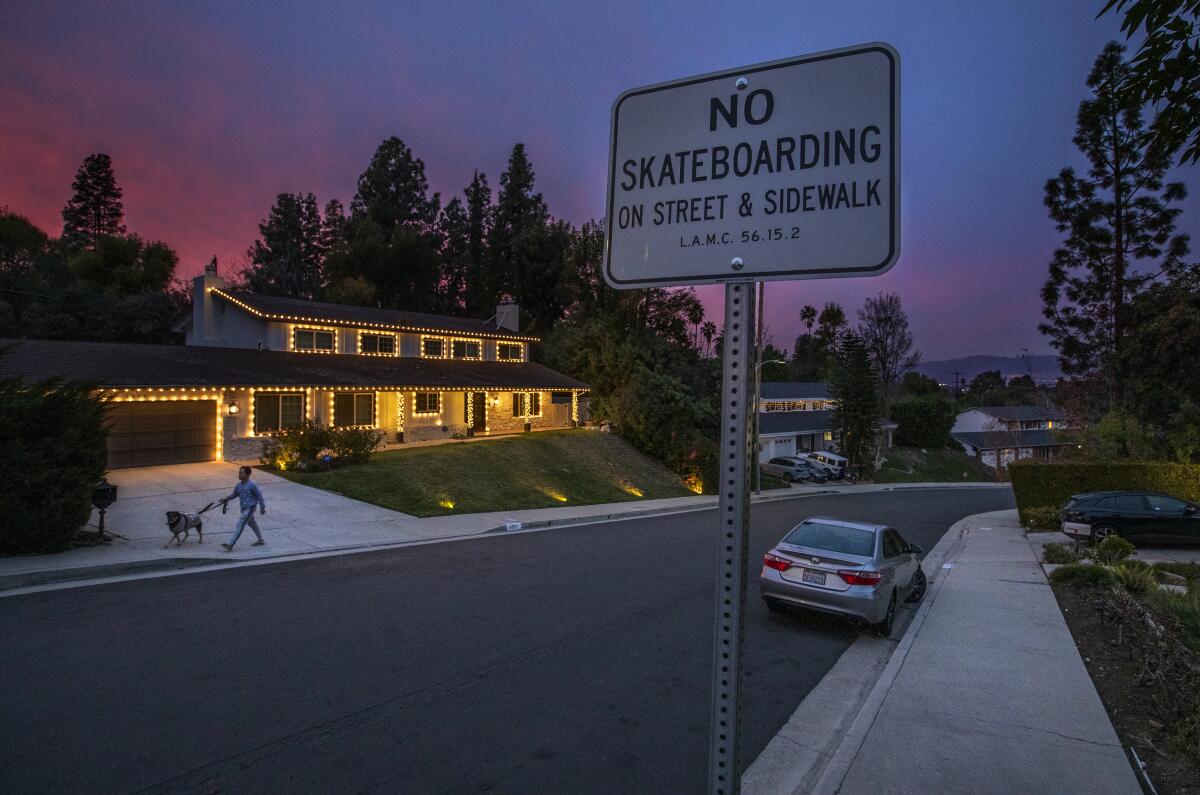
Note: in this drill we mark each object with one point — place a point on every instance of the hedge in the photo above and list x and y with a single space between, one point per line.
52 443
1040 486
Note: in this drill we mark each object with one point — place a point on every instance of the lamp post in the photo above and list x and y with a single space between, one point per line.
757 416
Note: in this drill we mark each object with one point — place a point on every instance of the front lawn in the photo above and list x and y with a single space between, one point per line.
547 469
917 465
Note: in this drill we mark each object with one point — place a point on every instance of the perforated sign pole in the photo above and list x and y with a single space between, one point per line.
737 407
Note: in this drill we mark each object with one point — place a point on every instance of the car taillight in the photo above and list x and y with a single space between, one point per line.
776 562
861 577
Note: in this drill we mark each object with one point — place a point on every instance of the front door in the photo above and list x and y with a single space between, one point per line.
478 413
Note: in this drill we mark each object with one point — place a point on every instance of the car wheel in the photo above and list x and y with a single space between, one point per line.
1102 532
773 606
884 628
918 586
787 477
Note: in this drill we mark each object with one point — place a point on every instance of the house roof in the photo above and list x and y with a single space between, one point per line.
992 440
780 422
273 307
1022 413
794 390
111 364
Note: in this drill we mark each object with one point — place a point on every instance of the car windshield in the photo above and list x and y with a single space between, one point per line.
833 538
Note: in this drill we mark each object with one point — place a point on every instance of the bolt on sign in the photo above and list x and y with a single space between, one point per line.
780 170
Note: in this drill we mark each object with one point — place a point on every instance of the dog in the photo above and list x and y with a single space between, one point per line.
181 525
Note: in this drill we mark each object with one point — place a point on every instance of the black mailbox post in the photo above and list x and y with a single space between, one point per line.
104 494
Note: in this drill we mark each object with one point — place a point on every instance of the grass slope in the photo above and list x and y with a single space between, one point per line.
548 469
916 465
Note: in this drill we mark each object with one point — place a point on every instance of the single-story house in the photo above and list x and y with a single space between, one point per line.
254 366
999 435
796 417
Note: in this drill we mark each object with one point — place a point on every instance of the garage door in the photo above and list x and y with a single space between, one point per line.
161 432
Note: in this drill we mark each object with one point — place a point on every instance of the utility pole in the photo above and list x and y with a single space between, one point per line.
758 359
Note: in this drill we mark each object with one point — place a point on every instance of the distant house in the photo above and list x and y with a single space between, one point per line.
999 435
257 365
797 417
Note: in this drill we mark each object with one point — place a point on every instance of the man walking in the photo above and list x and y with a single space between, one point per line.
249 498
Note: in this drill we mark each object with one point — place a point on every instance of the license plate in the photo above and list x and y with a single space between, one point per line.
814 577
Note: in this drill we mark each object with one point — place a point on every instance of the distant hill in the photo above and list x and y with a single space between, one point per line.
1044 367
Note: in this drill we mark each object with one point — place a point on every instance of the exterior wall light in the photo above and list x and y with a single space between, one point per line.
233 409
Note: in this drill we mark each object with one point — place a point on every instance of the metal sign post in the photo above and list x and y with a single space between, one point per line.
780 170
737 401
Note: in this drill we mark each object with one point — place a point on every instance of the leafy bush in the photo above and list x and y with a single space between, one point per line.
1085 575
52 440
1050 485
923 421
1138 579
1113 550
1059 553
306 446
354 445
1183 607
1189 571
1042 518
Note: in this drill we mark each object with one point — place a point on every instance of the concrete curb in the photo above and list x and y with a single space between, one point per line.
824 734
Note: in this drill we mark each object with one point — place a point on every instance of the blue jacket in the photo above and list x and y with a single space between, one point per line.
248 495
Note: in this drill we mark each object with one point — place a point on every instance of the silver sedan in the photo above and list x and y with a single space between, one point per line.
847 568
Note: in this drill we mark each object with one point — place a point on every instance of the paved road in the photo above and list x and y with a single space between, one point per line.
571 660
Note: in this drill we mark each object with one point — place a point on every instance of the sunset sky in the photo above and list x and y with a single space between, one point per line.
211 109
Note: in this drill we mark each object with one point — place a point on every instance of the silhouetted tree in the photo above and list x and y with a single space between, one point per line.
1116 216
883 327
289 260
95 211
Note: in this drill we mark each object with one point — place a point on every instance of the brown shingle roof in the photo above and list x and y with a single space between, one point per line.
112 364
276 308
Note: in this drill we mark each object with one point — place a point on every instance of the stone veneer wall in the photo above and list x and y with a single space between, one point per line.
239 448
501 420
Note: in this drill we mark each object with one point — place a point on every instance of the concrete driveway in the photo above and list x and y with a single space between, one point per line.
299 520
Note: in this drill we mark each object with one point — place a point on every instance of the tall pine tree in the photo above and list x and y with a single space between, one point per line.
289 258
95 211
393 190
521 216
1114 218
480 284
855 387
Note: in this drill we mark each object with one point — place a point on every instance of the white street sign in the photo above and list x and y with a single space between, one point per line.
780 170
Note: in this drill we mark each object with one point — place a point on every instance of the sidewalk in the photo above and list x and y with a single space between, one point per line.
985 693
302 521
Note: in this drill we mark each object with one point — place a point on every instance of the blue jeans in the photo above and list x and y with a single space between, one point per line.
247 518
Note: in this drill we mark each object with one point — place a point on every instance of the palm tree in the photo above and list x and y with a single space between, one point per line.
809 315
708 331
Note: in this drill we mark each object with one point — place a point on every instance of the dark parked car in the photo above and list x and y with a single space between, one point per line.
1142 517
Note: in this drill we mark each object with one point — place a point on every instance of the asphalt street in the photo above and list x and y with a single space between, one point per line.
576 659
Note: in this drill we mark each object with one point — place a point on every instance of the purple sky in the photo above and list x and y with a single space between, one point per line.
211 109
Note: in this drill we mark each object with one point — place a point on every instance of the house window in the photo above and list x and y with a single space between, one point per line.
465 349
353 408
428 402
535 404
278 411
510 352
433 347
311 339
384 344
